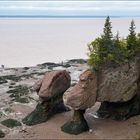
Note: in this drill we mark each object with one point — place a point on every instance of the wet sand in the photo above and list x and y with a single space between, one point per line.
102 129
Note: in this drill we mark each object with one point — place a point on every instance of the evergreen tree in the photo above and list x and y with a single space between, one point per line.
107 30
138 42
131 38
106 42
117 40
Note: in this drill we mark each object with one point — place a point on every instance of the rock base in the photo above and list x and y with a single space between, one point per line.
43 112
77 125
120 111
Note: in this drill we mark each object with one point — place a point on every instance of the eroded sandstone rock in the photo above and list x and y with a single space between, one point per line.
53 83
118 84
50 89
83 94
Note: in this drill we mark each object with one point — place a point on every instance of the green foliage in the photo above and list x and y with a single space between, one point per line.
107 30
113 50
131 38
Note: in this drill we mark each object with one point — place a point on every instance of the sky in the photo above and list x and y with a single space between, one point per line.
70 8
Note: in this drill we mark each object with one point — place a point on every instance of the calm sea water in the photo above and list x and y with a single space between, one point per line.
27 42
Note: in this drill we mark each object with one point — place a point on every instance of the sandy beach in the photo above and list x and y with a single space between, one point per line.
27 42
9 108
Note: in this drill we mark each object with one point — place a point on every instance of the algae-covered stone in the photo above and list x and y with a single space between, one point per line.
11 123
120 111
37 116
43 112
2 134
19 94
22 100
18 91
9 77
77 125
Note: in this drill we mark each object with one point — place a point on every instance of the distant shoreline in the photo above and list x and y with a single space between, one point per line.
67 17
31 41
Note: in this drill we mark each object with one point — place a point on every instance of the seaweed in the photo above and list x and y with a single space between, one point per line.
11 123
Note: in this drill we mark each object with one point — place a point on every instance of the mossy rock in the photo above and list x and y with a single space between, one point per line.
39 115
120 111
43 112
75 128
11 123
77 125
10 77
21 100
18 91
2 134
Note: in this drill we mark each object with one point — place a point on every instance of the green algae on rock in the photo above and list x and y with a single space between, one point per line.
19 90
19 94
77 125
11 123
9 77
120 111
43 112
22 100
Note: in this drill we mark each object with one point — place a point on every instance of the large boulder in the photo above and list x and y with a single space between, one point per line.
53 84
118 84
82 95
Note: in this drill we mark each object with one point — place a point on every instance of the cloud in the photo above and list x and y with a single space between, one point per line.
71 7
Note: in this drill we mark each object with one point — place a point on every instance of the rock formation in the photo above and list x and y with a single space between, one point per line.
117 88
83 95
50 89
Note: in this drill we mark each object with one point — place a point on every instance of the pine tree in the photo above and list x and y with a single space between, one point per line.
106 39
107 29
117 40
131 38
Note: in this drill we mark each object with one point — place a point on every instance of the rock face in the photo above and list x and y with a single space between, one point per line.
50 90
83 95
118 84
53 84
108 84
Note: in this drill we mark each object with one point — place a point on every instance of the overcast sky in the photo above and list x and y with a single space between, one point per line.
70 8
